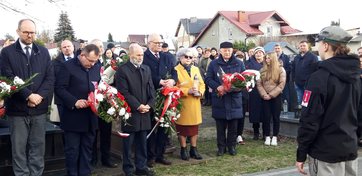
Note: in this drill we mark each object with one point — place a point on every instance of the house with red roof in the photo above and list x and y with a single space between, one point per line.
243 26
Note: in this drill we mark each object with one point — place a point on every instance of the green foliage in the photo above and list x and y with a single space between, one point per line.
240 45
39 42
110 38
64 30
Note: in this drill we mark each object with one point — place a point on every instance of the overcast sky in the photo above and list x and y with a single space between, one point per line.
95 19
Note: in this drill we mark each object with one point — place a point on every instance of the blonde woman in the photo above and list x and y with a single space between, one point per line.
270 86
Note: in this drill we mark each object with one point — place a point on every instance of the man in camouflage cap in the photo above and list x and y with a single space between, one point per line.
329 126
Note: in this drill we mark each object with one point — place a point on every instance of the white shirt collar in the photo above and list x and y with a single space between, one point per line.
155 53
23 46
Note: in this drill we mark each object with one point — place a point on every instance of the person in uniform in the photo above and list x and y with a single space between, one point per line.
327 133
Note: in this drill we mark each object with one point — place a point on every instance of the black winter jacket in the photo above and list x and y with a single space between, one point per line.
329 123
303 67
15 63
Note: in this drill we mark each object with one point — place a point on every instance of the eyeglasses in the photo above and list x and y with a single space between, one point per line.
158 43
89 60
28 33
188 57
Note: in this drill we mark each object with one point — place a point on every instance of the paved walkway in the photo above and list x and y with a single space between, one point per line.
292 171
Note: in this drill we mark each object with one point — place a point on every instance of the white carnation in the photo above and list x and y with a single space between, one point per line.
167 125
102 86
122 112
111 111
4 87
113 90
18 81
126 116
178 116
99 97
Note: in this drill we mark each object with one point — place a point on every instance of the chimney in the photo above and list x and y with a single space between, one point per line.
242 17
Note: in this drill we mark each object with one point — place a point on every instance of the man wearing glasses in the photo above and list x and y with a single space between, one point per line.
79 123
163 75
27 109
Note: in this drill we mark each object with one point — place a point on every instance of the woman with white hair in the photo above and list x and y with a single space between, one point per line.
192 86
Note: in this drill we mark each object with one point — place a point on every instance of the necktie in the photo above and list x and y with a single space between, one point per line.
27 52
158 57
68 58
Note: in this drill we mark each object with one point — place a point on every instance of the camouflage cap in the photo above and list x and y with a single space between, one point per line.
334 34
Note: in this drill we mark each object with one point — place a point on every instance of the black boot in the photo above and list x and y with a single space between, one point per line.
183 153
256 136
194 154
232 150
221 151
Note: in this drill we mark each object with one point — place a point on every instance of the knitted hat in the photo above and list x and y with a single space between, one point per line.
259 48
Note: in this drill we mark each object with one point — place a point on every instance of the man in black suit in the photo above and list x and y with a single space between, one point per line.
163 74
79 123
67 53
134 81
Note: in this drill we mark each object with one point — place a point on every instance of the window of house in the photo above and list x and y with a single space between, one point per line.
269 31
230 34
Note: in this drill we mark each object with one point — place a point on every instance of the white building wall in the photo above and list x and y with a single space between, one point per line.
270 28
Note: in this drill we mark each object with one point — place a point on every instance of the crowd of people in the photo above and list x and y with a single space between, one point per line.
327 118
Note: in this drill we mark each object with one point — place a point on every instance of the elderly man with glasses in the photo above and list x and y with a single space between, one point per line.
163 75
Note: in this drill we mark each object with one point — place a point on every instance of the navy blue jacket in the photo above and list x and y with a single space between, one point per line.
15 63
255 100
303 67
57 65
160 68
137 88
229 106
286 64
75 82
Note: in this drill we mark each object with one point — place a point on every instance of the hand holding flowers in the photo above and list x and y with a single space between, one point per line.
239 81
108 103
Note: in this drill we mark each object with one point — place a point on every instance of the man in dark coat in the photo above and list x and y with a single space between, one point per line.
288 68
163 74
304 64
330 125
134 81
67 53
79 123
27 109
226 106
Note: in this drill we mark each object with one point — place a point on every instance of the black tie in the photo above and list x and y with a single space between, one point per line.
27 52
157 57
68 58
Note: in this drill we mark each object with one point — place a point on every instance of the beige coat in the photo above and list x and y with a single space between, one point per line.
191 106
270 87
